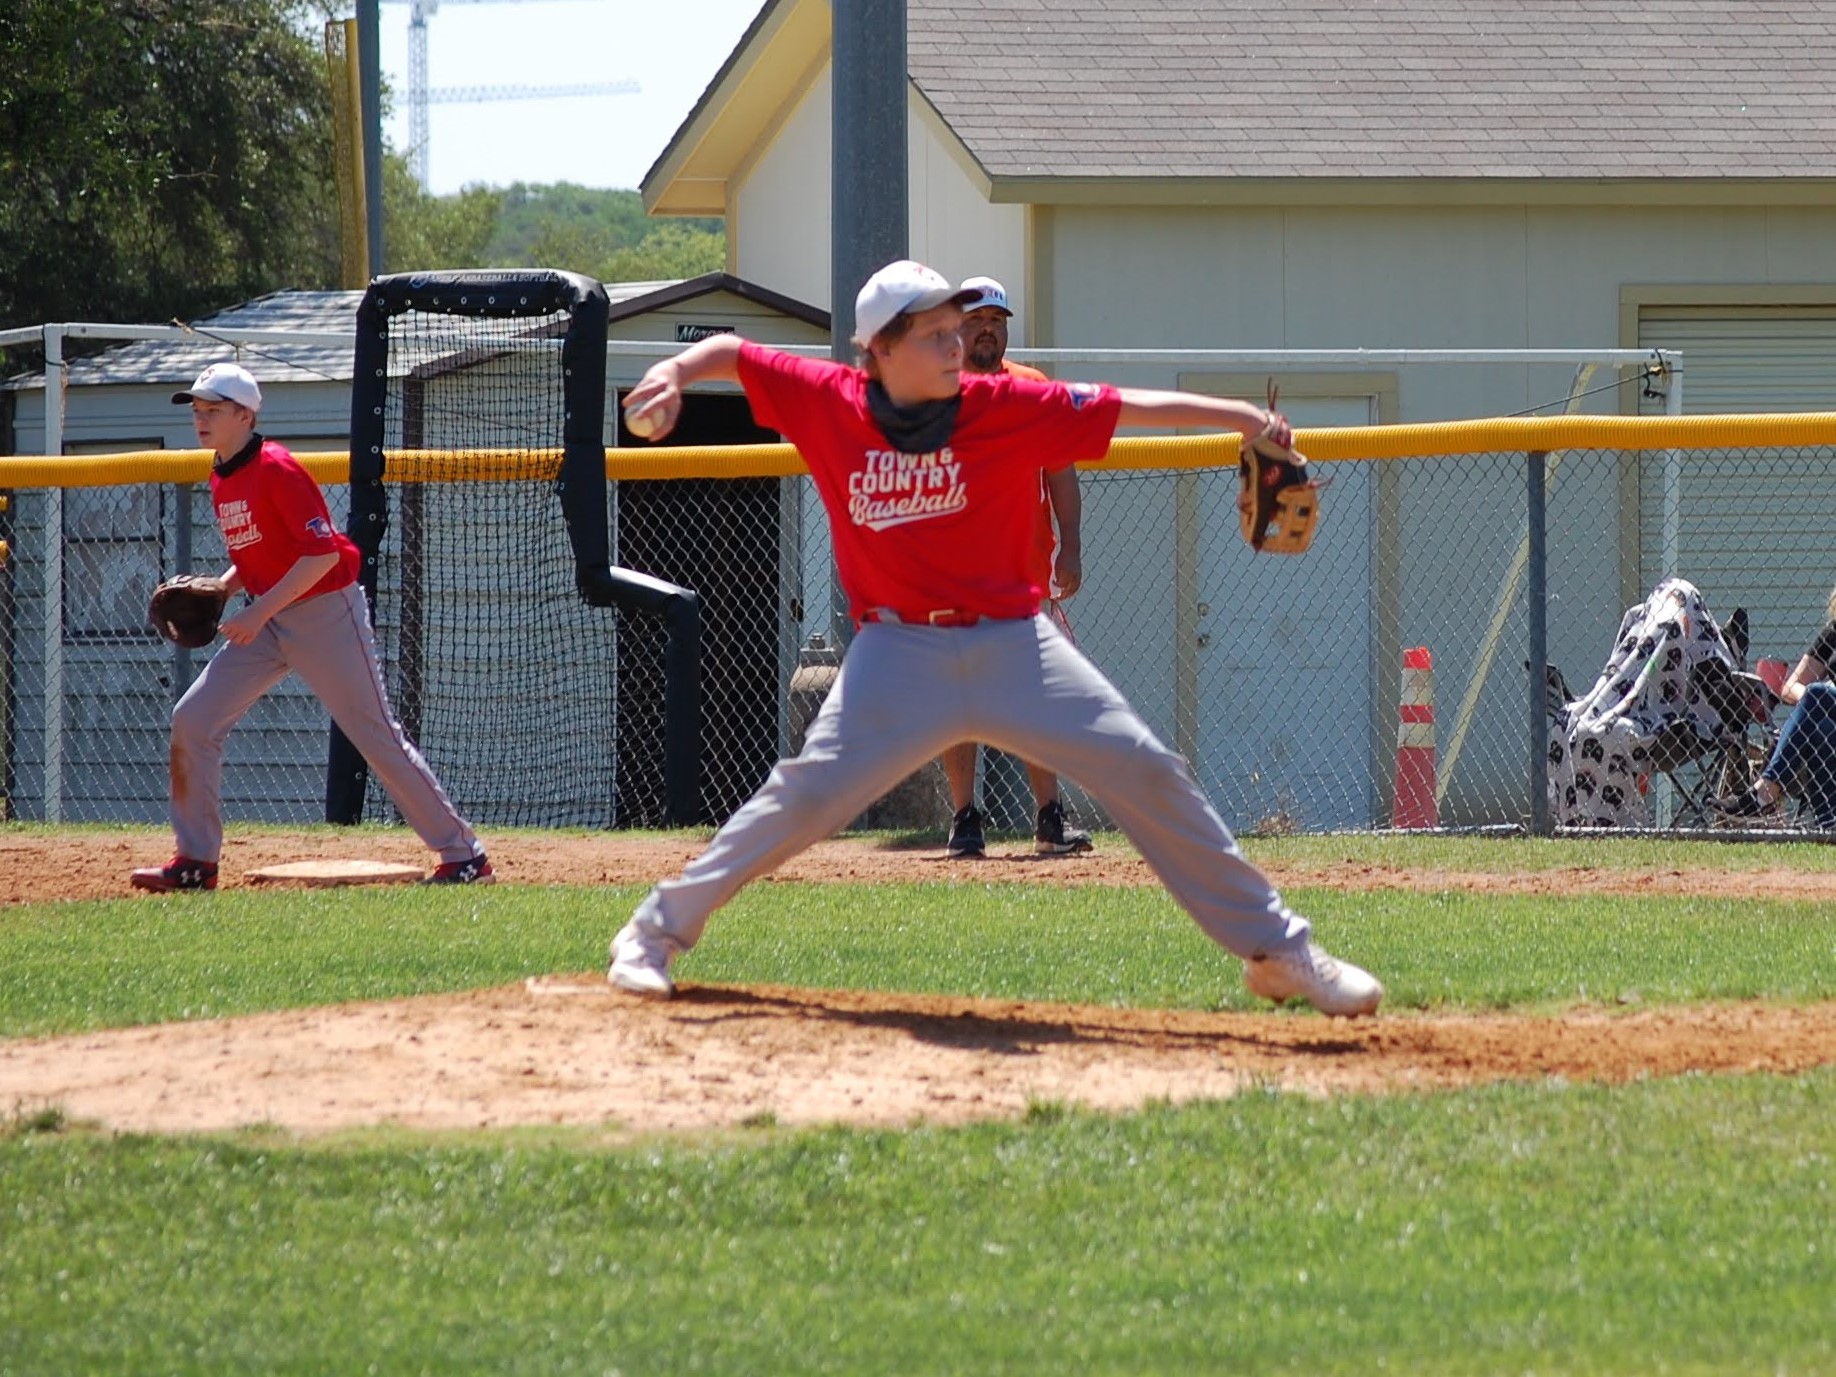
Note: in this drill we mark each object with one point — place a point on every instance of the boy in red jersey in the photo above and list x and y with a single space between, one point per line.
307 615
931 478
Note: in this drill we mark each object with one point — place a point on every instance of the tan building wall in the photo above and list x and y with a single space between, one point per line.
780 225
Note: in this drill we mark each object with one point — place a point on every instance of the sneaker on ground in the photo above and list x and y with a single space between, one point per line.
1055 836
966 837
181 872
1332 986
476 871
1747 805
640 963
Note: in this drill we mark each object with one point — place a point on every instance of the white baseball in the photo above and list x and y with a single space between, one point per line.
646 420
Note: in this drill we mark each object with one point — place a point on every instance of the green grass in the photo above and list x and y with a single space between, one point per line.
1675 1226
74 966
1523 855
1680 1225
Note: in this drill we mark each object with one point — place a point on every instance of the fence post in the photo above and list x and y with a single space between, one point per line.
1537 609
53 629
181 563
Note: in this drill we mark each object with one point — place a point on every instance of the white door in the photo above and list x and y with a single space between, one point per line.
1285 658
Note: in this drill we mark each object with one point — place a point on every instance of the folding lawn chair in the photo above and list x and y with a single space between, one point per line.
1671 701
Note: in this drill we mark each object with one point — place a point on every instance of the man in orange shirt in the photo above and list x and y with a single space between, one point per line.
1057 564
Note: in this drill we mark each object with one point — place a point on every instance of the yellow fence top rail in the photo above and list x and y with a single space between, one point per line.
1522 435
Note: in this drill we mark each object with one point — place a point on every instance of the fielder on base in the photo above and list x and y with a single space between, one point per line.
308 616
930 478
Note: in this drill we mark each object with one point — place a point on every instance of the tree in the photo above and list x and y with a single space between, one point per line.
423 233
669 251
160 158
604 234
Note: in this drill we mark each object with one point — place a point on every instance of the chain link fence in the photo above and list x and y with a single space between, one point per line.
1281 679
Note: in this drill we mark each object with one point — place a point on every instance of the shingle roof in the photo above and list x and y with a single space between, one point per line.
307 313
1383 88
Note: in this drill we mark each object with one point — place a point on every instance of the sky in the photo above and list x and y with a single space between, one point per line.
671 48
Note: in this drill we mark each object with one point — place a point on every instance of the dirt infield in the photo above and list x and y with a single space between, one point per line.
96 866
567 1050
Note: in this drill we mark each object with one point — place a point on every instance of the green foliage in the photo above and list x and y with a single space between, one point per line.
160 158
423 233
604 234
1680 1225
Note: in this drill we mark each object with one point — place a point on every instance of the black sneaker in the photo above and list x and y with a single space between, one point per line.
476 871
966 833
1745 805
1055 836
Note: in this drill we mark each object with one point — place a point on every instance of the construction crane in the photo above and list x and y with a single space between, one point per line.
420 96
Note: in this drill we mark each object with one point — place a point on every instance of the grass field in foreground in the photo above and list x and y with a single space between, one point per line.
1671 1226
74 966
1680 1225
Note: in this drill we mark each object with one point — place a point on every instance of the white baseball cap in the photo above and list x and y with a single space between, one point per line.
898 288
988 292
224 382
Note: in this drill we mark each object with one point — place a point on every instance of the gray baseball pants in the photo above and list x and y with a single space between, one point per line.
906 692
327 642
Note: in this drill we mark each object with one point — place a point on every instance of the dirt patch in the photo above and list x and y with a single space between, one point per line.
96 866
567 1050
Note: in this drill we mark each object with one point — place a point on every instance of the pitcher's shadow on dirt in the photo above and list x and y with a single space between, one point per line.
999 1034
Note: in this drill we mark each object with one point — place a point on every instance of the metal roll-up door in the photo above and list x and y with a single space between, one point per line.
1750 528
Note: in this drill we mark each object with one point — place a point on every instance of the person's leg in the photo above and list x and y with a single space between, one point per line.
898 701
1804 761
236 677
1044 701
966 838
959 770
328 642
1043 783
1053 833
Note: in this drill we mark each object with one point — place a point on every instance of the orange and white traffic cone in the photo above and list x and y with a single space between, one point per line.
1415 764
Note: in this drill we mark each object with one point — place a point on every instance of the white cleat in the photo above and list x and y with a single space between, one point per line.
640 964
1330 985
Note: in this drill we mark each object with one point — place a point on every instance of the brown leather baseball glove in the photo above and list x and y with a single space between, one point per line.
186 609
1278 502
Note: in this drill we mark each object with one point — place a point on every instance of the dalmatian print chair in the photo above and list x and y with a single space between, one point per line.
1604 746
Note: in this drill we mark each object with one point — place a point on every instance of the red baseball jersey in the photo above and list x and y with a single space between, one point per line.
271 512
950 530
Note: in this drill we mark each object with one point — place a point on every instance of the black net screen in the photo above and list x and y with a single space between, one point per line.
497 669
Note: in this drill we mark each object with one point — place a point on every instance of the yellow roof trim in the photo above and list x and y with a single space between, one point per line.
717 139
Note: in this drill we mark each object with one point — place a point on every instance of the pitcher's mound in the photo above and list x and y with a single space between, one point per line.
337 872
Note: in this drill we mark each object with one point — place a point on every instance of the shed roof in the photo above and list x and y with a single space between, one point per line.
318 313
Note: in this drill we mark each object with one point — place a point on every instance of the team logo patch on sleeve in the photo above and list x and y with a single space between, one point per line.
1082 394
320 527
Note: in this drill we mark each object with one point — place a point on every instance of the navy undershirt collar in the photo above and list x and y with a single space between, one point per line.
921 429
225 467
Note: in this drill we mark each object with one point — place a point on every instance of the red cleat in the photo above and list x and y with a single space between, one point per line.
476 871
181 872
